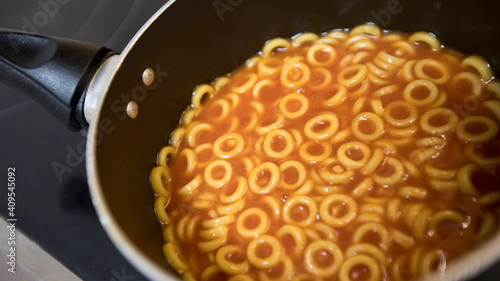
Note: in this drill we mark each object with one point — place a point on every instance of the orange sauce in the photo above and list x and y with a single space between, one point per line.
452 238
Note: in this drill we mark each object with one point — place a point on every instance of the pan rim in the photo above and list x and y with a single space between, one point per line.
117 235
471 264
462 268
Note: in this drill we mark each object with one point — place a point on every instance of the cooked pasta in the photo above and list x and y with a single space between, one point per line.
413 92
432 70
271 143
356 154
300 210
293 105
252 222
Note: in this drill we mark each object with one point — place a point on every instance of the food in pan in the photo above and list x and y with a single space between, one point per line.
356 154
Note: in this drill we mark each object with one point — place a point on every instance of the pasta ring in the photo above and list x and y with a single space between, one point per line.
328 120
274 178
400 114
352 75
411 87
330 171
345 152
306 155
354 261
447 122
259 223
289 101
301 174
218 180
268 261
230 267
421 65
273 148
273 44
327 206
332 249
294 210
374 131
233 141
484 130
312 56
294 74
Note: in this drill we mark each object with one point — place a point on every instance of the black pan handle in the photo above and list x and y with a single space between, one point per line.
53 71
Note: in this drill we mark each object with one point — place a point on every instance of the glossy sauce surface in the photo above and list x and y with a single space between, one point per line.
393 199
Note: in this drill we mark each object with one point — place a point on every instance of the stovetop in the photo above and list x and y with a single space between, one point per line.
53 204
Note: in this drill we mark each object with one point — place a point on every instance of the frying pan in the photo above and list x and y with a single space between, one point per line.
187 43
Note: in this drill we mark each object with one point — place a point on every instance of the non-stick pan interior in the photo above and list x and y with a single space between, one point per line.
192 42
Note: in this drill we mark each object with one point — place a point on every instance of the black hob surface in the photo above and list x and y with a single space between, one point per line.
53 204
54 207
